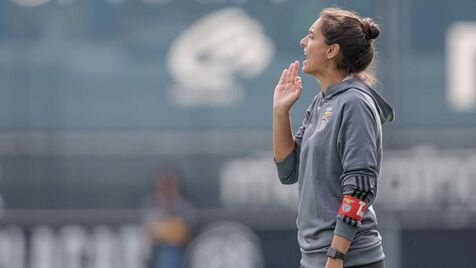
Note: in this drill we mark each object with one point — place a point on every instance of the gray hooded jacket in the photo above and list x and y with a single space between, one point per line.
338 151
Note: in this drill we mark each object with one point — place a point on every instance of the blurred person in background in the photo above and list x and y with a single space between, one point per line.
169 219
335 156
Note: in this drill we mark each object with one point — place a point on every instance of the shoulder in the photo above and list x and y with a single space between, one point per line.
355 99
357 104
352 95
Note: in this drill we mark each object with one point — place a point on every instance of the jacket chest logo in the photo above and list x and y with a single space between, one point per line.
324 119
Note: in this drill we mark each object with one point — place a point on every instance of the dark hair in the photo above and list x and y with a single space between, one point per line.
354 35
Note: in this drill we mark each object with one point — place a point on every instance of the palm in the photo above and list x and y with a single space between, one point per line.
289 87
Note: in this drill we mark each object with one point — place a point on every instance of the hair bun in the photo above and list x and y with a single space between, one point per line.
370 28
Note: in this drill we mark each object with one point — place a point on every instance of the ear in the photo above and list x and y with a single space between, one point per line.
333 50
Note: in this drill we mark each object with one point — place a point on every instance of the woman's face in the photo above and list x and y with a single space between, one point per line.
315 49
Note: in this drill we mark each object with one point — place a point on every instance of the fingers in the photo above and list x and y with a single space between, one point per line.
294 70
292 75
298 85
283 77
288 74
298 82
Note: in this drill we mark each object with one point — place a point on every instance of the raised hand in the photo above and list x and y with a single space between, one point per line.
288 89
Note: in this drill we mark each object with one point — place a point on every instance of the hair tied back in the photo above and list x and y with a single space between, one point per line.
370 29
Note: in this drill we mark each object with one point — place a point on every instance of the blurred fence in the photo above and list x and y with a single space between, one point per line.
114 238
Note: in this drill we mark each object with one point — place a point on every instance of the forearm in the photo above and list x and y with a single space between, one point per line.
283 142
340 243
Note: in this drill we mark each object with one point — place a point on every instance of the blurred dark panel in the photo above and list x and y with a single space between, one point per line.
437 248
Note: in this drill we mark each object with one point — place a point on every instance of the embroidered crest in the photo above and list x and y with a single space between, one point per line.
347 208
324 119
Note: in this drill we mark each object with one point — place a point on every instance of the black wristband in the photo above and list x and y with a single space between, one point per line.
335 254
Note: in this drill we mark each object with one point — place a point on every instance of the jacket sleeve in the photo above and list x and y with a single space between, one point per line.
288 168
359 148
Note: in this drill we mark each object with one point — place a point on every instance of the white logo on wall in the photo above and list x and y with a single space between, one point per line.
73 246
426 177
253 181
208 57
461 66
226 244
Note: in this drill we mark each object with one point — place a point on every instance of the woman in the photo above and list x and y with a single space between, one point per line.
335 155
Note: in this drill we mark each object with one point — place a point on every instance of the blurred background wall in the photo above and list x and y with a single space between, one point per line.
96 95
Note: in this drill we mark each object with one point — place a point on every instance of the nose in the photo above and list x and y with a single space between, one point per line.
303 42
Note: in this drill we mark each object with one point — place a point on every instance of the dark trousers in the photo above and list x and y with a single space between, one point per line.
379 264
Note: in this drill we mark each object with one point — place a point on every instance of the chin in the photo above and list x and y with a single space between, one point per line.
308 71
306 68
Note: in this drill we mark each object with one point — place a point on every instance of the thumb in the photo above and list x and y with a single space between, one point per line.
298 82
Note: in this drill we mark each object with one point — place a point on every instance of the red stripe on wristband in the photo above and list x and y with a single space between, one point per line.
352 207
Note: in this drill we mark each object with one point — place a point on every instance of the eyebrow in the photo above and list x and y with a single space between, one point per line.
310 31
